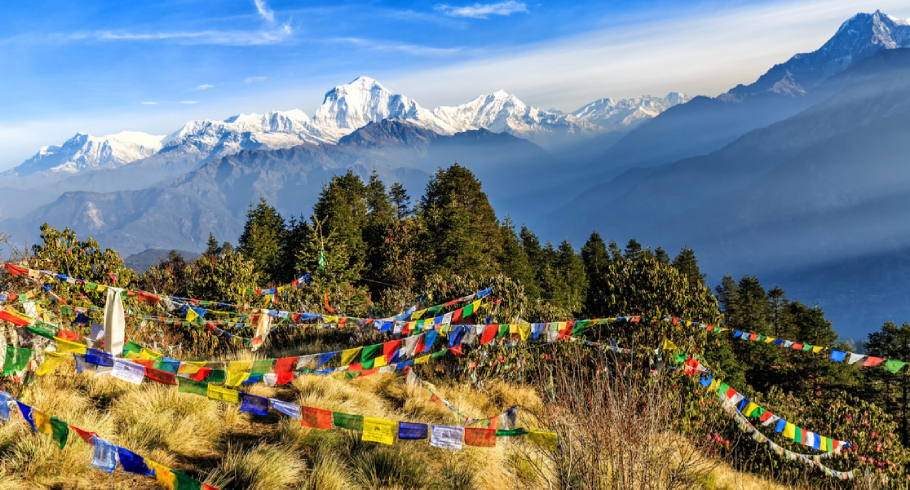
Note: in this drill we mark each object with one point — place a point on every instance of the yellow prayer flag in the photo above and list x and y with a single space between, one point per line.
42 422
101 288
418 314
379 430
513 328
222 394
668 345
545 439
131 355
476 305
822 442
715 385
789 431
51 362
238 372
150 354
380 362
816 349
163 474
768 340
422 360
330 318
191 315
348 356
524 331
69 347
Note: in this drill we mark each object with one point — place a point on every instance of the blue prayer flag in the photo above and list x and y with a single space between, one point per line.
407 430
4 405
254 404
837 355
26 412
93 356
780 425
325 357
456 335
429 339
133 463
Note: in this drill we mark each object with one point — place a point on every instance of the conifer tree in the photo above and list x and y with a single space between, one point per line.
262 238
212 248
661 255
615 251
596 260
571 270
633 250
891 342
342 210
462 232
401 201
687 264
514 261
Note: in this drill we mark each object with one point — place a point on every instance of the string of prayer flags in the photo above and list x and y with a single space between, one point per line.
346 421
133 463
479 437
105 456
52 361
544 439
254 404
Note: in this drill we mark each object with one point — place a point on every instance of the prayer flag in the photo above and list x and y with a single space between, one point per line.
254 404
4 406
185 482
789 431
67 346
480 437
99 358
133 463
238 372
446 437
837 355
545 439
105 456
315 418
893 365
16 359
222 394
345 421
390 349
348 356
369 352
188 385
287 408
160 376
163 474
873 361
51 362
408 430
379 430
428 340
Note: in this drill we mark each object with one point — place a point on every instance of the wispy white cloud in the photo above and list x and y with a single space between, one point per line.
189 102
213 37
412 49
264 10
253 79
483 10
148 102
204 86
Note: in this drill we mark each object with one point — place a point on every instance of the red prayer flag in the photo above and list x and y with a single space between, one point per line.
474 436
367 372
315 418
765 416
67 335
873 361
84 434
456 350
327 307
566 331
457 315
390 348
797 346
342 321
284 370
201 374
730 393
356 367
489 333
421 346
753 337
148 298
160 376
15 320
15 270
635 319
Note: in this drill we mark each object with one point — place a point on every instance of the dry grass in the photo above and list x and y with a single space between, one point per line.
234 450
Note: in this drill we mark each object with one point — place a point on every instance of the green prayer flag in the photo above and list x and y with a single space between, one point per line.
184 482
321 259
66 310
723 389
439 354
16 359
59 431
434 310
369 364
798 435
91 286
829 443
370 351
217 376
130 346
43 329
187 385
503 331
262 366
468 310
351 374
893 365
807 347
513 432
345 421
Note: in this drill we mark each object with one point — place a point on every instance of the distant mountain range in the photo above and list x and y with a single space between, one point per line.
801 177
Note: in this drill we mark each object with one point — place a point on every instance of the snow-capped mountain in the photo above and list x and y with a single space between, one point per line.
859 37
623 114
85 152
345 109
273 130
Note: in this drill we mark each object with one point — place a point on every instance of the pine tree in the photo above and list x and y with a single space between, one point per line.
892 342
661 255
212 248
633 250
687 264
381 214
342 210
615 251
571 272
401 201
597 261
262 238
514 261
299 233
462 232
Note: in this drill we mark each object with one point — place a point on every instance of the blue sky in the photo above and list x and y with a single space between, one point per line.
103 67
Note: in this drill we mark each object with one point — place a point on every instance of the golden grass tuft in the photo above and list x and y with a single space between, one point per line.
263 467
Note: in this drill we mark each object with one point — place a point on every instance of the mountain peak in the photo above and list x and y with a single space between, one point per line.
857 38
